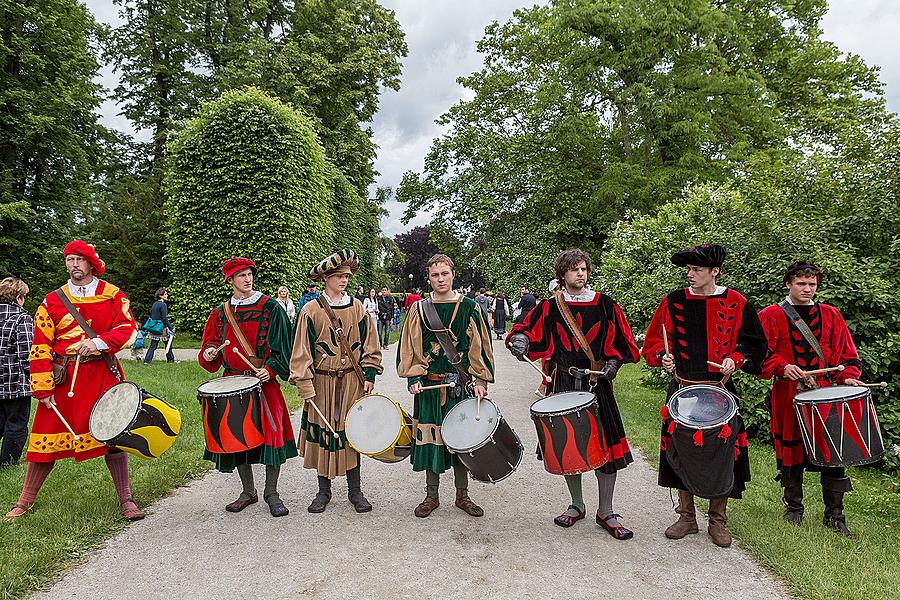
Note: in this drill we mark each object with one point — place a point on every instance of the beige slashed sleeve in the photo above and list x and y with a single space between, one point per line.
411 360
481 354
303 356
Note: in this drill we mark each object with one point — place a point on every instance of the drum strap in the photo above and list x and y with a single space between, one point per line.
579 335
803 328
342 339
88 330
442 333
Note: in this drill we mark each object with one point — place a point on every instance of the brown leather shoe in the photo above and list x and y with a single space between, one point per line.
426 507
717 523
465 503
132 511
687 517
18 510
242 502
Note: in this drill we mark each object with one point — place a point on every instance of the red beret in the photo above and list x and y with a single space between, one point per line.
237 264
82 248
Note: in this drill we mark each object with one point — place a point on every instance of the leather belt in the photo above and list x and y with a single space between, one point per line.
338 375
433 377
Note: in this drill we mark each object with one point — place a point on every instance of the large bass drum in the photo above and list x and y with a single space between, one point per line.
570 436
378 427
131 418
232 413
488 446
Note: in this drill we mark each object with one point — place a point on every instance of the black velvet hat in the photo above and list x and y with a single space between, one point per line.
802 265
704 255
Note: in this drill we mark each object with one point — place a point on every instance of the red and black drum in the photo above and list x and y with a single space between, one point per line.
570 436
482 439
839 426
232 413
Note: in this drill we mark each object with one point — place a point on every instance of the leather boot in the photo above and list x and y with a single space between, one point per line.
687 517
322 498
429 504
833 490
465 503
717 521
793 498
354 491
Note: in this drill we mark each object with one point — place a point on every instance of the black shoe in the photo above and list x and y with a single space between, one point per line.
618 531
278 509
242 502
359 502
319 503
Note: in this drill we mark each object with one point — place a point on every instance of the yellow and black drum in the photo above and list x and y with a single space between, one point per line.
134 420
379 427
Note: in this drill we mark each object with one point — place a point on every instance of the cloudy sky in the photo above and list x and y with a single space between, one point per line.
441 35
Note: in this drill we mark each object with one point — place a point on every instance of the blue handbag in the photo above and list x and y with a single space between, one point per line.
154 326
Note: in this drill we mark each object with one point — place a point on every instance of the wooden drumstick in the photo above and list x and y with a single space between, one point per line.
245 359
665 339
321 416
74 376
820 371
715 364
539 370
64 422
219 348
478 408
880 384
265 404
437 386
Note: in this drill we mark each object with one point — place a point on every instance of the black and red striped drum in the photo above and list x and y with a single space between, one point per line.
570 436
232 413
839 426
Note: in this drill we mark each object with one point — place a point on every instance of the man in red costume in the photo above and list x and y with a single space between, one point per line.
264 326
59 337
790 354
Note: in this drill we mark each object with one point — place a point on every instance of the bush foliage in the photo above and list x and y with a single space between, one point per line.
246 177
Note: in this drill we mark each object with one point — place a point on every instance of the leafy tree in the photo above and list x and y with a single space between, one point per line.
247 176
48 133
416 247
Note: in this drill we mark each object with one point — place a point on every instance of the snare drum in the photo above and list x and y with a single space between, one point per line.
839 426
232 413
488 446
378 427
570 436
134 420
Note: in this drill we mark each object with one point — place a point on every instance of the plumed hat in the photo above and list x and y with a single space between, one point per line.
802 265
232 266
704 255
82 248
342 261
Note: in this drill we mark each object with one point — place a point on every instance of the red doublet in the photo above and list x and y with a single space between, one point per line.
108 313
787 346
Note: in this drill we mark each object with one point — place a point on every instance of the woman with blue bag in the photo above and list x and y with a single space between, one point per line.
157 327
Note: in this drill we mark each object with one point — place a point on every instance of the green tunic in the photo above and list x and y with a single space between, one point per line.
419 354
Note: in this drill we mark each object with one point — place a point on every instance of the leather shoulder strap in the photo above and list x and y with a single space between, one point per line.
342 339
437 327
576 331
242 339
75 314
804 329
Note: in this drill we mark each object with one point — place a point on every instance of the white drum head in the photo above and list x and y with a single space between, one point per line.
373 424
563 403
460 430
225 385
702 406
831 394
114 411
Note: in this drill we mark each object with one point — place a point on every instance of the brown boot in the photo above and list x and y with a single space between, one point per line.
717 521
465 503
687 517
427 506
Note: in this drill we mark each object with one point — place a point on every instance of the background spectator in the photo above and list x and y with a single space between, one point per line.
483 303
307 296
501 313
370 303
412 298
386 306
526 303
360 293
159 312
284 300
16 330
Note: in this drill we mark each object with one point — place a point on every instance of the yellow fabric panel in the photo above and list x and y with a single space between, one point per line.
49 443
109 292
44 323
40 352
41 382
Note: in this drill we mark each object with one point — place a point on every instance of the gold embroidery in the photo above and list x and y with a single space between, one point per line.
44 323
48 443
41 382
40 352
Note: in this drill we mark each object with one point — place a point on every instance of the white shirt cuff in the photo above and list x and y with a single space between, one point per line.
101 345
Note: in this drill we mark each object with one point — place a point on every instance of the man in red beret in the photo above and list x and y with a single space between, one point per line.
59 336
255 326
805 335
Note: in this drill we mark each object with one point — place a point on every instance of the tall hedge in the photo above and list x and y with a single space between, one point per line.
247 176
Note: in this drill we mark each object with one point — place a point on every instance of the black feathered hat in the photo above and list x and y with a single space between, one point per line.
704 255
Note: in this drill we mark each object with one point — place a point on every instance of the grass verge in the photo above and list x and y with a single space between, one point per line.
815 563
77 508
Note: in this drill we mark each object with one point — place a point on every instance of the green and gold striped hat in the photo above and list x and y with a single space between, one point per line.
342 261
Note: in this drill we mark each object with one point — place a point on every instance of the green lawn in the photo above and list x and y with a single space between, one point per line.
77 508
814 562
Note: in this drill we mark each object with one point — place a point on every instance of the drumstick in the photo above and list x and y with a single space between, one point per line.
245 359
880 384
219 348
265 403
321 416
478 408
820 371
539 370
437 386
74 376
665 338
64 422
715 364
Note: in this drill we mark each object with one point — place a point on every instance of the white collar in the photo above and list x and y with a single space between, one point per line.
251 299
789 301
586 295
83 291
720 289
453 299
344 299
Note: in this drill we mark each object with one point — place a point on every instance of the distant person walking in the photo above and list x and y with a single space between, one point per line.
484 303
386 305
285 302
159 313
501 313
16 327
370 303
526 303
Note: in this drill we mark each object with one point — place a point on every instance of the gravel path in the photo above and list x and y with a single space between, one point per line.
189 547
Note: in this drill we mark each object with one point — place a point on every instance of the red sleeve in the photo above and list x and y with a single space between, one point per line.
774 328
211 338
122 329
843 346
619 342
539 337
654 345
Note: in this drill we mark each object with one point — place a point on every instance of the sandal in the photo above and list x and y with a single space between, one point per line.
617 531
18 510
565 520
